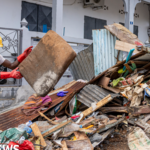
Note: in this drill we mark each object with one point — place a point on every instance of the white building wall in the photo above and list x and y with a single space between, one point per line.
73 16
142 21
10 13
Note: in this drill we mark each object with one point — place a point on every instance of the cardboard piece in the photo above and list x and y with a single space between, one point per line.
104 81
82 142
137 139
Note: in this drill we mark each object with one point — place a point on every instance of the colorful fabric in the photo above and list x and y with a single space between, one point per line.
62 93
115 82
35 104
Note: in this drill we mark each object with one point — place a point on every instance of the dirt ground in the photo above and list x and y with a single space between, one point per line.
116 141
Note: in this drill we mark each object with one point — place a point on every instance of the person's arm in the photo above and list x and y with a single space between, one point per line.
6 63
10 65
13 74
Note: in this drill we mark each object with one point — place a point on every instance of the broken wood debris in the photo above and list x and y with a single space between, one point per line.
89 114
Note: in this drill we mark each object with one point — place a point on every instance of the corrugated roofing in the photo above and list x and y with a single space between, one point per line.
16 117
103 50
93 93
82 66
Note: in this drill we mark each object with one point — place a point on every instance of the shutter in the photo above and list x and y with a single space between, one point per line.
29 12
44 18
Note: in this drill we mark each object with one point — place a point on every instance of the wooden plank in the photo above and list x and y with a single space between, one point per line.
123 34
38 142
101 103
55 128
86 122
114 109
108 126
37 132
126 47
52 122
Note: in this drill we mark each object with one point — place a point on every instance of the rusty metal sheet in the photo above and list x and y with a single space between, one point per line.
83 65
93 93
15 117
47 62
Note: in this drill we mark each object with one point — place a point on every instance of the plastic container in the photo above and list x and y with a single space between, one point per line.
26 128
29 123
21 140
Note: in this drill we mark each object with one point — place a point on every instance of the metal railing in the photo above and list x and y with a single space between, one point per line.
12 47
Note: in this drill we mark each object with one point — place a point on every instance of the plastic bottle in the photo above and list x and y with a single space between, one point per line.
21 140
25 128
29 123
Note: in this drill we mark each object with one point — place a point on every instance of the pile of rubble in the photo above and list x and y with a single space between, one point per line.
102 109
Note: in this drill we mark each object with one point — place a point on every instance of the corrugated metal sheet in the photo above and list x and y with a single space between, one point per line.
83 65
104 52
15 117
93 93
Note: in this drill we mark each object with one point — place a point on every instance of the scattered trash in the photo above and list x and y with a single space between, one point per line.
109 110
62 93
137 139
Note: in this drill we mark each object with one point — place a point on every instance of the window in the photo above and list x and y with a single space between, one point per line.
92 23
39 17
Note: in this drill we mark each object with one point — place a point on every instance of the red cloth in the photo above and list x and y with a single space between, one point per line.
26 145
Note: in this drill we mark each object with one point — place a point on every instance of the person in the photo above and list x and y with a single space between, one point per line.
14 66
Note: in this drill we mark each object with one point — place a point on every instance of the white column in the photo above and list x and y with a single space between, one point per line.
26 41
57 16
129 13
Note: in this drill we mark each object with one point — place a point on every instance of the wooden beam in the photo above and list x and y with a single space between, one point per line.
123 46
37 132
55 128
114 109
101 103
49 120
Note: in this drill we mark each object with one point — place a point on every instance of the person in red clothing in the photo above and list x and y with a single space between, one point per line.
6 63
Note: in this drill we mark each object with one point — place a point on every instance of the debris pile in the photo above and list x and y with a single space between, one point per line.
103 109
